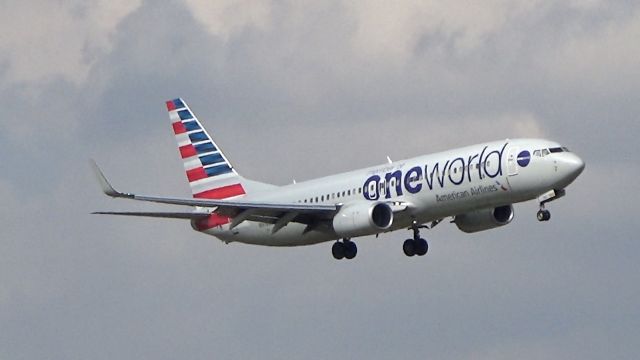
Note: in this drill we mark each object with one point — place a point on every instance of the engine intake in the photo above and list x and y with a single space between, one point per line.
362 218
484 219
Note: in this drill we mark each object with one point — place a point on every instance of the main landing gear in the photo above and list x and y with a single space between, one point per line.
346 249
417 245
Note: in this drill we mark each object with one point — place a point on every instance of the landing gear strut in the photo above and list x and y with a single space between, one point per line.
544 214
417 245
346 249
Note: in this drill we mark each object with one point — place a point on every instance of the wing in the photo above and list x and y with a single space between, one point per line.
269 212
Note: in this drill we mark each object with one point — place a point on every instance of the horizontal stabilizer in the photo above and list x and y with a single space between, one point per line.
223 207
166 215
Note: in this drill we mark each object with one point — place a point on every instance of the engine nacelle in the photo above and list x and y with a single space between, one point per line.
484 219
362 218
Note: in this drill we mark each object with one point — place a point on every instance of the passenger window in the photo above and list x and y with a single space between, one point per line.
349 192
316 199
322 198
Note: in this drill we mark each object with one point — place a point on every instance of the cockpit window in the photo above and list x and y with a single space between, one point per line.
556 150
565 149
536 153
545 152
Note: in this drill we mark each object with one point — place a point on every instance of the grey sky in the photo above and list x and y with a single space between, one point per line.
300 90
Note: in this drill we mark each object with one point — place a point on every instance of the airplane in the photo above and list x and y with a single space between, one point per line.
475 186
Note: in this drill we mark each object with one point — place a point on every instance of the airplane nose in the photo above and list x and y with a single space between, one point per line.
574 165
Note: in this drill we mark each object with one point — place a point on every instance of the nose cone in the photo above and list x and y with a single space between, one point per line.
575 165
571 166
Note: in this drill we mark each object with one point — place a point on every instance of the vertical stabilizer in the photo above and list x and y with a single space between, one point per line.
209 172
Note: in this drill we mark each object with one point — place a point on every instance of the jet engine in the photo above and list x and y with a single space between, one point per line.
484 219
362 218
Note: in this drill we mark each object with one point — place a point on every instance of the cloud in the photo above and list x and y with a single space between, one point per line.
51 40
601 59
394 30
225 18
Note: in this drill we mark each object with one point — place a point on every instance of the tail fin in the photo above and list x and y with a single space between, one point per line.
210 174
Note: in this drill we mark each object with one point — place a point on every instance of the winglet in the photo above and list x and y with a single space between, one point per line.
104 183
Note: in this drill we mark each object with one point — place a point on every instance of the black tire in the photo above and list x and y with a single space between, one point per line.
409 247
544 215
540 215
350 250
338 250
421 247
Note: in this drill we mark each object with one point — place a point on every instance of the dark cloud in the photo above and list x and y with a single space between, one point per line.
299 98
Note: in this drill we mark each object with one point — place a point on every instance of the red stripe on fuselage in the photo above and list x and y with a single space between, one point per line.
196 174
171 105
187 151
212 221
221 192
178 128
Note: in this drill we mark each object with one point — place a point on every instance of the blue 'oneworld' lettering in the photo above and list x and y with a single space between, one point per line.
454 171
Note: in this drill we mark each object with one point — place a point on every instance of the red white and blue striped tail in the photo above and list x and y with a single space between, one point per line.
209 172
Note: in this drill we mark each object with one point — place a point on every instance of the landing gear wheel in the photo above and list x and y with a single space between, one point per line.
350 249
409 247
338 250
544 215
421 247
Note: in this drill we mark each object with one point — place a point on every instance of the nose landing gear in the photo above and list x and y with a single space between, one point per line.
544 214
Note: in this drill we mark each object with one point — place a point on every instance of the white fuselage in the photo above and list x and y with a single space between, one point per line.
429 187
